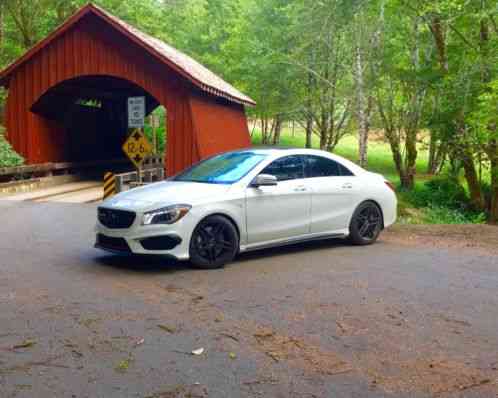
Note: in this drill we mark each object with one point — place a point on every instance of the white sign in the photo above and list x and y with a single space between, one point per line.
136 112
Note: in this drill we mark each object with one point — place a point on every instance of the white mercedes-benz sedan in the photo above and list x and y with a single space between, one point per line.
247 200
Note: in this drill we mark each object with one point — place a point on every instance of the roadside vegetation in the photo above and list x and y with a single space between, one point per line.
8 157
405 88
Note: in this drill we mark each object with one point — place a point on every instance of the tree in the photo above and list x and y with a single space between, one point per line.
402 88
255 58
366 29
466 40
322 56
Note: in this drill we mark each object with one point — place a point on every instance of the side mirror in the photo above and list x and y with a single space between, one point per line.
264 180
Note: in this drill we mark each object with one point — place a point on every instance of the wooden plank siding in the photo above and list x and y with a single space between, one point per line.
92 47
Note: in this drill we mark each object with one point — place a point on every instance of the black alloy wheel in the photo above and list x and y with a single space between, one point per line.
214 243
366 224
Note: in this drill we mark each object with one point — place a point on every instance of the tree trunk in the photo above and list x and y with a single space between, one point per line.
277 130
323 139
264 130
493 159
411 158
438 33
455 165
323 130
437 155
331 140
484 43
472 180
440 158
362 114
397 158
309 131
269 137
431 163
309 110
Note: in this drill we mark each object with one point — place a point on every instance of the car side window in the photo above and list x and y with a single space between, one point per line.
286 168
318 166
345 171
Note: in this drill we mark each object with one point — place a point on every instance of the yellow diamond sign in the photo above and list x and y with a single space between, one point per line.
137 148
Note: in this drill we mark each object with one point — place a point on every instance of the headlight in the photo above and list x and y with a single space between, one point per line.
166 215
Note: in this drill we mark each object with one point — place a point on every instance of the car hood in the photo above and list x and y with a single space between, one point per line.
165 193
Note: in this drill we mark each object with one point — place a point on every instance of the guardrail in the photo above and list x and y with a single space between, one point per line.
132 180
152 162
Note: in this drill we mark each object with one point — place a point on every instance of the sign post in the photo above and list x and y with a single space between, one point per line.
136 146
155 124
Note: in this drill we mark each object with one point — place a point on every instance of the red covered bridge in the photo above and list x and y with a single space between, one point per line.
95 56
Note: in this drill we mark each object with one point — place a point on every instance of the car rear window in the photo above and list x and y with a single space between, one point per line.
319 166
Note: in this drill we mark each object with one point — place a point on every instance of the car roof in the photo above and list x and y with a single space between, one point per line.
283 150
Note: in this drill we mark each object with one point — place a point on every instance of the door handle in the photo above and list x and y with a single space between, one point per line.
347 185
301 188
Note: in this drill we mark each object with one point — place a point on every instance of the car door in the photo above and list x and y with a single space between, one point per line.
280 211
333 189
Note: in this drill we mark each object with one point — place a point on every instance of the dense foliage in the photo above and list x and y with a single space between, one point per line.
8 157
335 67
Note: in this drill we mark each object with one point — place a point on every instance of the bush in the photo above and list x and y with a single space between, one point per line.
445 215
8 157
444 201
440 192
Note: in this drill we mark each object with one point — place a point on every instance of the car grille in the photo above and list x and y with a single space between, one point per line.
116 244
114 219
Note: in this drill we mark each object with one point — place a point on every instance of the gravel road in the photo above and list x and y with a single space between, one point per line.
411 316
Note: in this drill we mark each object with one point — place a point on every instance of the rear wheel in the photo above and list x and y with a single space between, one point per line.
366 224
214 243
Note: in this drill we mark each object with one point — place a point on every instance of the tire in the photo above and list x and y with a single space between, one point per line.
214 243
366 224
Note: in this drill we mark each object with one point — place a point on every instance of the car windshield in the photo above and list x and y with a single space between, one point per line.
222 169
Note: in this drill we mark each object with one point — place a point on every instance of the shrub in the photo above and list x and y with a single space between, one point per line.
444 215
441 200
8 157
440 192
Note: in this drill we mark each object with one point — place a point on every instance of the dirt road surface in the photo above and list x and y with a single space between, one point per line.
414 315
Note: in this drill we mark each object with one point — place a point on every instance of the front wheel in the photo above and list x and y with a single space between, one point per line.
214 243
366 224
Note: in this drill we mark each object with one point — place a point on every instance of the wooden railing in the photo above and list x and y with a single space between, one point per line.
131 180
47 168
152 171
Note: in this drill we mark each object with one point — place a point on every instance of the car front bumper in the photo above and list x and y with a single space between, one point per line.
171 240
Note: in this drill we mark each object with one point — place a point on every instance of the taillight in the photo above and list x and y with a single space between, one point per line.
390 185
